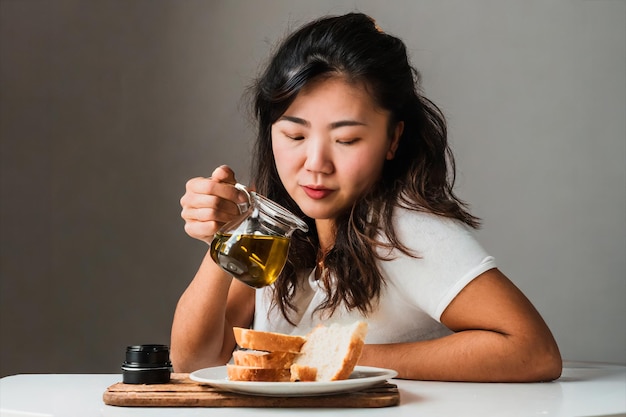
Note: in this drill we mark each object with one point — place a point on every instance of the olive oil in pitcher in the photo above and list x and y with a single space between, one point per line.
254 246
257 260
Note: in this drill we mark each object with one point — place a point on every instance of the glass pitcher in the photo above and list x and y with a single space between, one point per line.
253 248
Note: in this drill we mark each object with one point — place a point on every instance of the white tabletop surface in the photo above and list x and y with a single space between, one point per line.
585 389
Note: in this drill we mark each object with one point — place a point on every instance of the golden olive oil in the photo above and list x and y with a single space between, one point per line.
254 259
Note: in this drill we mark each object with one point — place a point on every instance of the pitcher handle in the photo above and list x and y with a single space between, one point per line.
245 206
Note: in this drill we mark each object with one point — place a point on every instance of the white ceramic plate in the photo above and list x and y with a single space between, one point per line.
362 377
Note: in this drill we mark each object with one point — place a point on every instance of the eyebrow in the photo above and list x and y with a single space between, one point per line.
334 125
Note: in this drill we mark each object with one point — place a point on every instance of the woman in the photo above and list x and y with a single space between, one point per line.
347 142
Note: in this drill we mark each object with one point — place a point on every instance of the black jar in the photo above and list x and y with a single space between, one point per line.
147 364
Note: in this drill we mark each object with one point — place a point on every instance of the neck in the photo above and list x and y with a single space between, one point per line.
325 233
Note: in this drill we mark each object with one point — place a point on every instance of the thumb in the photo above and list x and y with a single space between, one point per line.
224 174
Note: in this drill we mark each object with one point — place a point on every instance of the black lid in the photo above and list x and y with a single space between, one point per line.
148 355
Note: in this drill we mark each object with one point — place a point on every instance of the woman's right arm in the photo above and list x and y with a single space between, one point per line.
213 303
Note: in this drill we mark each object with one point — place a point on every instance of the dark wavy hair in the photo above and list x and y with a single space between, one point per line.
420 177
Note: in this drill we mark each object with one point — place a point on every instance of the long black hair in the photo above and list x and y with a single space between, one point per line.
420 177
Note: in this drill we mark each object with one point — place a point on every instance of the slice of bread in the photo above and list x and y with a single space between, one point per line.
260 359
251 373
333 350
267 341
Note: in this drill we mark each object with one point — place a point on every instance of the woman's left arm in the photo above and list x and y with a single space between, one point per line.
499 337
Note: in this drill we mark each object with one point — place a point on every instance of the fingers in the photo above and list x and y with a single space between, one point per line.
215 209
224 174
203 231
210 193
209 203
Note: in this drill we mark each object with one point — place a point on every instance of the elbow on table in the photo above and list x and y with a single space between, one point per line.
545 366
553 368
189 361
180 363
184 363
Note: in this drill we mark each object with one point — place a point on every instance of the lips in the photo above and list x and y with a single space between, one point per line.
315 192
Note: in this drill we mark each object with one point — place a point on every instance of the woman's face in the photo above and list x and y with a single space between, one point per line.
330 146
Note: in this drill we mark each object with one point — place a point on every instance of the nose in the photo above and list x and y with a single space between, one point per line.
318 156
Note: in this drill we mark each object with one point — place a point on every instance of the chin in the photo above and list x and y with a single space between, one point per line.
318 213
313 214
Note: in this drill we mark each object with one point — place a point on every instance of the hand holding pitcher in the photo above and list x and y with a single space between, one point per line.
209 203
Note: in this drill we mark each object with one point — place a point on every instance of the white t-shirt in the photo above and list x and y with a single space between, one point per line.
417 290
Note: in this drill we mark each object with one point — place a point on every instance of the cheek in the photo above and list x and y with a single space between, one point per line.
364 169
284 159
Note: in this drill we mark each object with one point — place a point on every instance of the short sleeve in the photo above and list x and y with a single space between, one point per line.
447 258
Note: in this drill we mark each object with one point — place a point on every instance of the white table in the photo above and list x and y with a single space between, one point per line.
585 389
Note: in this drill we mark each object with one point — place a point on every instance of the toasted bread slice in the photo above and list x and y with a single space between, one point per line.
267 341
261 359
251 373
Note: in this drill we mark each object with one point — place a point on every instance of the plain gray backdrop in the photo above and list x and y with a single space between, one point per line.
108 107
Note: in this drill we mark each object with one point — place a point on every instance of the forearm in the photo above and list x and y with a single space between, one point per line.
471 355
201 332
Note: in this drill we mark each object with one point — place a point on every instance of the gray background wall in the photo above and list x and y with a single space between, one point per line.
108 107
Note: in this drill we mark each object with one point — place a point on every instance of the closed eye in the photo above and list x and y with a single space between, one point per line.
348 141
295 137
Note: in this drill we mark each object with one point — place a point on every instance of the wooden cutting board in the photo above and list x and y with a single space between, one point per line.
183 392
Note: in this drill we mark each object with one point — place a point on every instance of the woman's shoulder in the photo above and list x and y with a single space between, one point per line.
411 220
429 233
